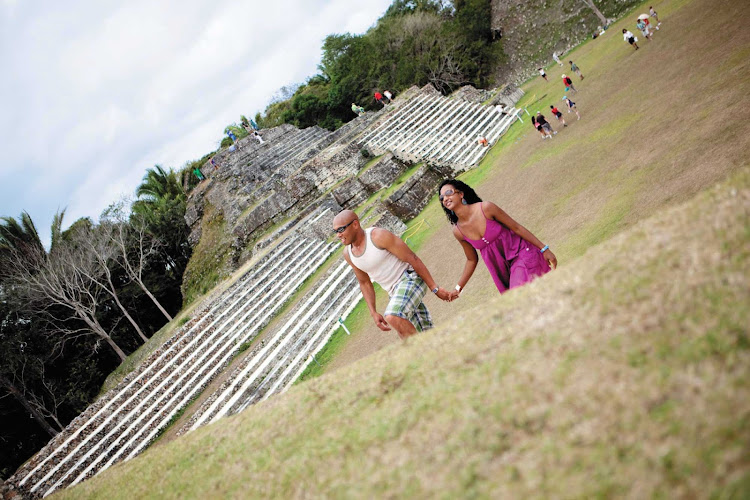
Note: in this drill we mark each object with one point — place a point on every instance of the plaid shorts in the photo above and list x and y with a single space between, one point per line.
406 301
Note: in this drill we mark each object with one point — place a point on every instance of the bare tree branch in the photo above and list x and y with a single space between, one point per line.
59 283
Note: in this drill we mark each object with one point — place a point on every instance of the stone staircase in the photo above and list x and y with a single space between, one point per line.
440 131
255 186
129 417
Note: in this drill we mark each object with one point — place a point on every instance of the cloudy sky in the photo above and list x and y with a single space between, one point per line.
95 92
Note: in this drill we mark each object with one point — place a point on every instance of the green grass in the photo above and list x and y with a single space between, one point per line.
357 319
488 407
622 374
208 264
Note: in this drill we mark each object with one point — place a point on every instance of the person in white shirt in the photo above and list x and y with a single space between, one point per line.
376 254
628 37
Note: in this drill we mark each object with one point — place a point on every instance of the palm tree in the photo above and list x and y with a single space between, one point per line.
158 186
21 237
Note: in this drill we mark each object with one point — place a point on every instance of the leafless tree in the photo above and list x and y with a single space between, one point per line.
63 295
98 252
591 5
134 246
19 394
445 73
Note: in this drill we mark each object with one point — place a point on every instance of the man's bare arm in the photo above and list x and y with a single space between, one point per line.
389 241
368 292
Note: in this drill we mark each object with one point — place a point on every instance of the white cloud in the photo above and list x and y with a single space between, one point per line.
99 92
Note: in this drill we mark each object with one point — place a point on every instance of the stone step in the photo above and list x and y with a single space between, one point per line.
126 403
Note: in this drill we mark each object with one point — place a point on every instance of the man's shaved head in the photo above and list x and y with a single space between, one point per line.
344 217
346 227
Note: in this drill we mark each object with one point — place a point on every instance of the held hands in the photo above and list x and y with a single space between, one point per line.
447 296
443 294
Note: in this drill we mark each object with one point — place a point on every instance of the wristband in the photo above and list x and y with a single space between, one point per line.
458 288
546 247
435 290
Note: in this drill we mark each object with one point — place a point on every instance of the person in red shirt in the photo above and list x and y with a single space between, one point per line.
379 97
568 83
558 114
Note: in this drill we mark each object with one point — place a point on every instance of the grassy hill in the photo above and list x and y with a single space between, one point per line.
622 373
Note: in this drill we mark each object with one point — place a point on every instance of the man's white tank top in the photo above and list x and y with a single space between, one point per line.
382 266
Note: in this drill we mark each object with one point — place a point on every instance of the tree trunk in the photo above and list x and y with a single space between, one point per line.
102 333
114 346
591 5
153 299
18 395
130 318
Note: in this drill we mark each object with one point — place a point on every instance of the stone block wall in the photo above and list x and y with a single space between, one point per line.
408 200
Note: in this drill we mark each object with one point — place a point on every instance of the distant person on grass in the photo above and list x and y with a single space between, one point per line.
545 124
568 83
512 254
574 68
558 114
544 75
642 25
629 37
653 14
571 106
378 255
539 128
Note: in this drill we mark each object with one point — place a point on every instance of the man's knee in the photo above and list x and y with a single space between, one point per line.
404 327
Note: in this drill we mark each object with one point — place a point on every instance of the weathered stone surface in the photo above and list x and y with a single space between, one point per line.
350 193
382 174
412 197
319 223
390 222
471 94
263 214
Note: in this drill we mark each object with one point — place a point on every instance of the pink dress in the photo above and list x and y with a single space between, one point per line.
510 259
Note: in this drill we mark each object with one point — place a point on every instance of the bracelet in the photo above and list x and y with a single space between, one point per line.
546 247
458 288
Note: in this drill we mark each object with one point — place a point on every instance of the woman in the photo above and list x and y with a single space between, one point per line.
512 254
571 106
643 26
538 126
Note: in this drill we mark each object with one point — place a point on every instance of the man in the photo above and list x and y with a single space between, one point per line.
378 255
574 67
